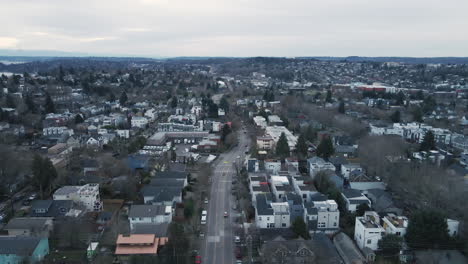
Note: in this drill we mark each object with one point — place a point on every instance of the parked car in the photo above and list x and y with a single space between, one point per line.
225 214
238 253
237 239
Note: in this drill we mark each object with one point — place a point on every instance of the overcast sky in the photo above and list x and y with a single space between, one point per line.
416 28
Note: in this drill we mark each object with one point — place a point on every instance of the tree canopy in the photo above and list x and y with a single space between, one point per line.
395 117
428 142
390 244
282 147
301 146
341 107
44 174
299 227
325 148
427 229
49 104
123 98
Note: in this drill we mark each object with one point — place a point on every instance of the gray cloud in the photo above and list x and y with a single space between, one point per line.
238 27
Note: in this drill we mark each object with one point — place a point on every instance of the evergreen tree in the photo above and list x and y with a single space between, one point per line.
341 107
400 100
78 119
310 134
28 101
123 98
301 146
10 101
173 155
174 102
329 99
299 228
225 131
427 229
428 142
49 104
325 148
224 104
112 97
417 115
390 244
396 116
282 147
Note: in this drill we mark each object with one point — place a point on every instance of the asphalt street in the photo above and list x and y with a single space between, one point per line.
219 243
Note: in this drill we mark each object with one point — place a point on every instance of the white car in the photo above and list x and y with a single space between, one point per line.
237 239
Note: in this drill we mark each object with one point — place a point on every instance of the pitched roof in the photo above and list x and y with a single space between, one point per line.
31 223
21 246
352 193
143 210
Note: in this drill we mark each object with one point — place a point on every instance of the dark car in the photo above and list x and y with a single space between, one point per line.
238 253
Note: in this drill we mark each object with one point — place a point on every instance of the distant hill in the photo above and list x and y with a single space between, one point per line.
410 60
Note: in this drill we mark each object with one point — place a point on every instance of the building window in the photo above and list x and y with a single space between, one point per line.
283 224
260 218
369 241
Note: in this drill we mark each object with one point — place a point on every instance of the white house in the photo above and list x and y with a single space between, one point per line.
149 214
271 215
368 231
272 166
354 198
453 226
152 114
395 225
260 121
316 165
86 195
57 131
123 133
276 131
139 121
346 169
265 143
322 216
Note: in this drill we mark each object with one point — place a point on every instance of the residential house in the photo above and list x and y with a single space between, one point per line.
316 165
147 214
51 208
317 250
139 122
346 169
21 249
265 143
138 244
348 250
86 196
322 216
368 231
353 198
161 195
395 225
29 226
